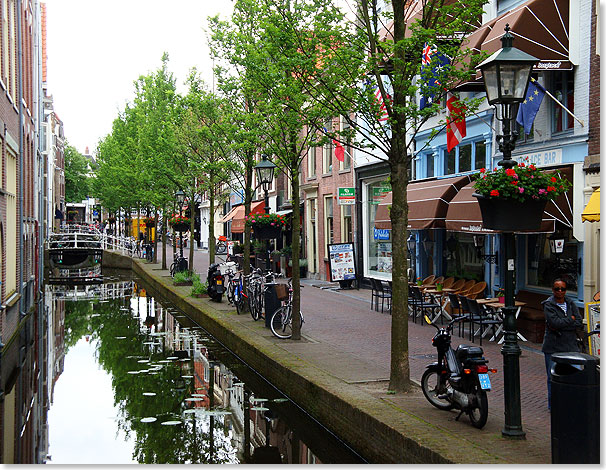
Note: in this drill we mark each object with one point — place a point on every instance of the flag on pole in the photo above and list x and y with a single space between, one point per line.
530 106
456 129
339 149
383 115
430 84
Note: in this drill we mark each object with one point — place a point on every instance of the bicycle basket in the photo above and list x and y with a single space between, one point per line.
282 291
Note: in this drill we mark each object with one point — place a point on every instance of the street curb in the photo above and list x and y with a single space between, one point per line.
372 426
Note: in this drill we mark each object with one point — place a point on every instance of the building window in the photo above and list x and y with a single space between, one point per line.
327 152
563 90
346 163
543 267
346 224
329 234
466 157
429 165
311 162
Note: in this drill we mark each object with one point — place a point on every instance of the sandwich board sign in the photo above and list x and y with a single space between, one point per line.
342 262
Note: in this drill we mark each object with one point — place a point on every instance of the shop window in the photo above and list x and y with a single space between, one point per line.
462 259
465 157
450 162
563 90
327 152
479 155
543 267
378 242
328 220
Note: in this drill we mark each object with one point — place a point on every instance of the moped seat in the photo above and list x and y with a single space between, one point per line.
466 351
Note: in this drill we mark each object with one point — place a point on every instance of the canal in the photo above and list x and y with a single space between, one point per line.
133 380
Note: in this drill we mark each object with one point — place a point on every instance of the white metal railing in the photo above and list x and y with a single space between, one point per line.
124 245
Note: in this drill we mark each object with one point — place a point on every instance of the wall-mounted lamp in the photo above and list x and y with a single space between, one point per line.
478 242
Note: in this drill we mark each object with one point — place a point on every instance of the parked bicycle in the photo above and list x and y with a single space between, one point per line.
179 264
281 320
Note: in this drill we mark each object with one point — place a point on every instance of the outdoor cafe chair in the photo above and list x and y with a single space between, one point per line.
481 317
466 287
477 290
456 310
438 280
420 305
428 280
448 282
457 284
380 293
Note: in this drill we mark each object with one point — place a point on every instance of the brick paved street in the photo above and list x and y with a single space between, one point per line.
358 341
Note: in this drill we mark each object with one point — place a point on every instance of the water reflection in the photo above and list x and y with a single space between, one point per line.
179 397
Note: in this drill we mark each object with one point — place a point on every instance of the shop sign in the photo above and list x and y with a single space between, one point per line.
381 233
544 158
347 196
378 193
341 259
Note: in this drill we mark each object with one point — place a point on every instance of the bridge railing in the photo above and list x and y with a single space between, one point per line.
125 245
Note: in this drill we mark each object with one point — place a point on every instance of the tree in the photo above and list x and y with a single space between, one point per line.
76 175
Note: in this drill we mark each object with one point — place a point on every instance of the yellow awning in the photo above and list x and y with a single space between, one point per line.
592 210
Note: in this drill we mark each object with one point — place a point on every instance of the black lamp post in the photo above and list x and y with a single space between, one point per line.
265 175
506 74
180 197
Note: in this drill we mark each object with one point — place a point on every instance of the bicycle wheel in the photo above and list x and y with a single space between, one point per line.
221 248
229 292
252 304
172 269
281 323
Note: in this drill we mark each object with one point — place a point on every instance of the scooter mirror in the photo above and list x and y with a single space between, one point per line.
427 320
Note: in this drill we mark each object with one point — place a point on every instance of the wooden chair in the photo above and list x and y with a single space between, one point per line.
476 291
448 282
428 280
466 287
457 284
438 280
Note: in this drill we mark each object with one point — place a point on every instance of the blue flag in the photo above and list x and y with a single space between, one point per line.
530 106
431 86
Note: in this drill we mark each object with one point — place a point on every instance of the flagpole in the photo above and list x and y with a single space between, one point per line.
564 107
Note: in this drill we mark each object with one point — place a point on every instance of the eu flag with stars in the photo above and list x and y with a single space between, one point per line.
530 106
430 83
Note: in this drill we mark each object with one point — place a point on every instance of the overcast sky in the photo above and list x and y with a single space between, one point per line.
97 49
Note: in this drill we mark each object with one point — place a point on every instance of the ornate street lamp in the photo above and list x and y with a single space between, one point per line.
506 74
411 243
265 175
478 242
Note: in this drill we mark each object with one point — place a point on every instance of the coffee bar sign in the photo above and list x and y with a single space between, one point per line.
544 158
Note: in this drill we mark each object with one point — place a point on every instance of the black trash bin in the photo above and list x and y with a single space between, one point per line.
575 408
271 302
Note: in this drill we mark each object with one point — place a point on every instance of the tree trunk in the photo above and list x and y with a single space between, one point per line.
156 237
248 194
211 226
191 230
296 251
164 236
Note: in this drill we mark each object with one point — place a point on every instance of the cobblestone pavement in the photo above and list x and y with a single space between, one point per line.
357 338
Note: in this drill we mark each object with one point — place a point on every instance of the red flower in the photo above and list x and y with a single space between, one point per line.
510 172
513 182
483 170
532 167
522 165
494 192
550 188
553 179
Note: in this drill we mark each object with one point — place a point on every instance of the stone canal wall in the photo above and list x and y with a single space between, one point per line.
373 427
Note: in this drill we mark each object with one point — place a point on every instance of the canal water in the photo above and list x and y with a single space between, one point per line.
133 380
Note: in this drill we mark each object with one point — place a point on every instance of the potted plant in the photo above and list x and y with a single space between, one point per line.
500 294
179 223
199 289
149 222
419 281
513 199
183 278
266 226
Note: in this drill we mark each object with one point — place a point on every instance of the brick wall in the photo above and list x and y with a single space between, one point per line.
594 88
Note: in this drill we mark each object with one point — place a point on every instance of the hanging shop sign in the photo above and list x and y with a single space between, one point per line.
347 196
378 193
381 233
341 259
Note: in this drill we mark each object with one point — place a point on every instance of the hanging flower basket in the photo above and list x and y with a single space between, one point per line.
180 227
149 222
513 199
264 232
510 215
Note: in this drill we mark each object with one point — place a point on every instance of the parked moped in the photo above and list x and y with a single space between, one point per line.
459 380
215 282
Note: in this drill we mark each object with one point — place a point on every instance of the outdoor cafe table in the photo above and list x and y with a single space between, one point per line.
445 290
498 306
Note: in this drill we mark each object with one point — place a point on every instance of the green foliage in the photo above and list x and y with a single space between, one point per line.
273 220
76 175
184 276
522 183
199 287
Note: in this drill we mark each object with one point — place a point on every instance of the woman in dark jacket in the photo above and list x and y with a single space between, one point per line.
562 318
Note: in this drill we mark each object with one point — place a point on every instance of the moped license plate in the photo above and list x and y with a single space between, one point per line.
484 381
219 282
